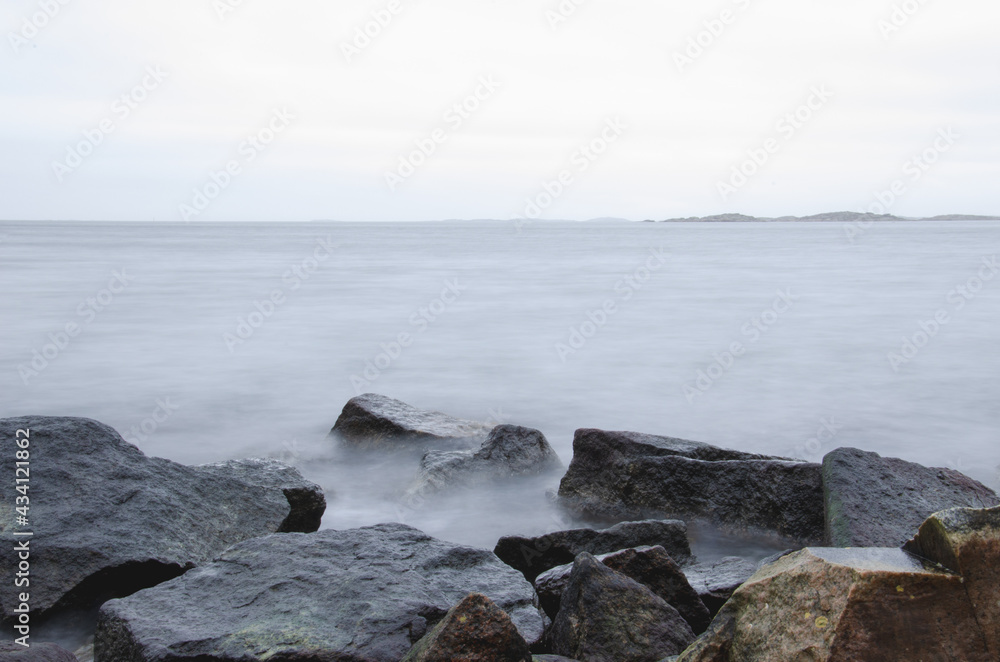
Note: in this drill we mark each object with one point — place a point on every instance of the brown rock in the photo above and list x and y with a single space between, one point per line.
846 605
967 541
474 630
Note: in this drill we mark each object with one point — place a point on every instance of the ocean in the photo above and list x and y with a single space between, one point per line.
206 342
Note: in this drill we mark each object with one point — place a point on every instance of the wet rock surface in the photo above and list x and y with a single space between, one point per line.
875 501
108 520
535 555
375 421
650 566
833 604
475 630
365 594
37 652
715 582
608 617
967 541
628 475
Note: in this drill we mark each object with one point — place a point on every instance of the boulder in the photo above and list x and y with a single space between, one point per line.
607 617
359 594
650 566
376 421
626 474
875 501
36 652
533 556
967 541
715 582
474 630
550 658
107 520
845 605
508 451
307 500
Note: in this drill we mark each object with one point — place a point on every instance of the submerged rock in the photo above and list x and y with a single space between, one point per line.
108 520
474 630
360 594
376 421
845 605
608 617
875 501
967 541
626 474
508 451
650 566
533 556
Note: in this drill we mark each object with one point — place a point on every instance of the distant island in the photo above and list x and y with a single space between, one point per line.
829 217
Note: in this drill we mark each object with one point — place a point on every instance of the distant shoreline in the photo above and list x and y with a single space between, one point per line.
834 217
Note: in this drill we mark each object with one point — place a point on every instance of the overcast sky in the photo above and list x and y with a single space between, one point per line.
616 98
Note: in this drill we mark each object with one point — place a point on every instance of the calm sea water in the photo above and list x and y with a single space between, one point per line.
764 337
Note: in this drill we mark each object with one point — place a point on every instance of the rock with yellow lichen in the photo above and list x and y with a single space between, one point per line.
848 605
967 541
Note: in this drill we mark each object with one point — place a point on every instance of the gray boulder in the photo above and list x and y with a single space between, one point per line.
360 594
533 556
875 501
308 503
650 566
607 617
108 521
631 475
376 421
716 582
36 652
509 451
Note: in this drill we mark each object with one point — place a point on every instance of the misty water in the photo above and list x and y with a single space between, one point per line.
816 317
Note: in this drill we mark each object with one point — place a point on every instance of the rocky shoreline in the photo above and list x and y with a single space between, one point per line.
887 560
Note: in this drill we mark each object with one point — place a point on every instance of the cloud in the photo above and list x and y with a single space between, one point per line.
355 118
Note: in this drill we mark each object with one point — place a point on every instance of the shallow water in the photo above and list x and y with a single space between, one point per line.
813 374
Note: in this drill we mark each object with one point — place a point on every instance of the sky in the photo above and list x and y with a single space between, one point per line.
400 110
